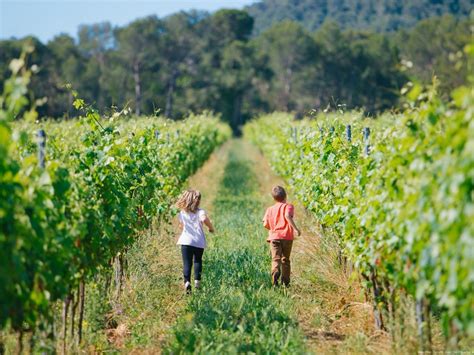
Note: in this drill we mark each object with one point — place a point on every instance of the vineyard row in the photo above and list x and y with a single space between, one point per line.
400 200
71 205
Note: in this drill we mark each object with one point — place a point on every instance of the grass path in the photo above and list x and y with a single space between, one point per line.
153 297
237 310
329 305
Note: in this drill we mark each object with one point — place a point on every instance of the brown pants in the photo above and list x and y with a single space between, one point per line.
281 250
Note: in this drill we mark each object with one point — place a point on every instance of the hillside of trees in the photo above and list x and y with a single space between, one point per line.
377 15
195 61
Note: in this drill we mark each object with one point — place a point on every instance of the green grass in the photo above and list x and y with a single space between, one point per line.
237 310
154 290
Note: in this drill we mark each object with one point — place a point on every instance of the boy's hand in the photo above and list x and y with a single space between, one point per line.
265 223
298 232
211 230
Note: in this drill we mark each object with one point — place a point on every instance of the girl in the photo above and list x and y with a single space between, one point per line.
192 239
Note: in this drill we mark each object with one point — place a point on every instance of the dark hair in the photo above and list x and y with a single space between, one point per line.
279 193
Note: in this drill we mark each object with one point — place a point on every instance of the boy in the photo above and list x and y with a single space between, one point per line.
278 220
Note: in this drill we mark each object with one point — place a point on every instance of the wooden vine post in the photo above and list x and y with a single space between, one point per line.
118 273
377 294
376 287
41 142
366 139
349 132
41 148
347 264
75 301
2 345
20 342
422 311
294 131
66 304
82 291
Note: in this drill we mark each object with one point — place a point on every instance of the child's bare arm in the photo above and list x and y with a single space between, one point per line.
292 223
265 221
265 224
209 225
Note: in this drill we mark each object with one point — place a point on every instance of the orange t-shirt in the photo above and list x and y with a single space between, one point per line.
276 222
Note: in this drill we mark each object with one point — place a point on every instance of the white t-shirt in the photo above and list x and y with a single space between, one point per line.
193 231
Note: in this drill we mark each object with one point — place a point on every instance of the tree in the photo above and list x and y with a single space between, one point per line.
138 47
225 32
177 52
435 47
377 78
67 68
42 84
359 69
291 51
95 42
235 75
373 15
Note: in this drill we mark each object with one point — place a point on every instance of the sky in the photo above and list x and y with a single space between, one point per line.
47 18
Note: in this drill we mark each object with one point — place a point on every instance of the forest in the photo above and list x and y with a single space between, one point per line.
384 16
228 63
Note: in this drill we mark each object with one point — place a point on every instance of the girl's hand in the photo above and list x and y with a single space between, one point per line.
209 225
298 232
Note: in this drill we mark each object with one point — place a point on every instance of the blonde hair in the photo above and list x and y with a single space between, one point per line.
189 201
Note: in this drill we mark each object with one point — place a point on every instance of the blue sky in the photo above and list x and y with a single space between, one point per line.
45 18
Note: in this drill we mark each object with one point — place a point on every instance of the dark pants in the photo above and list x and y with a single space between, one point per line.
189 254
281 266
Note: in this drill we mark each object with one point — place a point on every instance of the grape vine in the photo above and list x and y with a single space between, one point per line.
103 181
404 213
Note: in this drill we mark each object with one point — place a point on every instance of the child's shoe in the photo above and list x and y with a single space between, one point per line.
187 287
197 284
